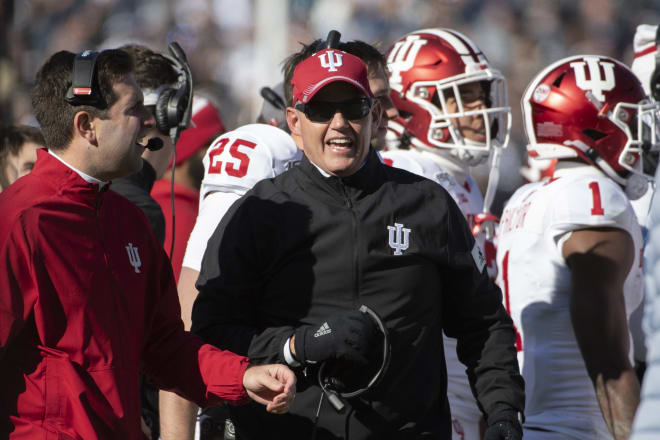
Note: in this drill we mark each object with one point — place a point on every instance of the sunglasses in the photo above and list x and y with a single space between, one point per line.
324 111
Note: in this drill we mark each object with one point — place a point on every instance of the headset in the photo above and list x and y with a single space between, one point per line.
83 80
173 108
333 388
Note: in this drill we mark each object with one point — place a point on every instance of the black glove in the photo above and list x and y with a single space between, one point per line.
346 336
504 430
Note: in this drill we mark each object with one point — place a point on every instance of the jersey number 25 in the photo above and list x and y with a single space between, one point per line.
230 167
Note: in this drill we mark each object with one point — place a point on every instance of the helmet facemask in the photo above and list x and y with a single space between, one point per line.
639 123
443 130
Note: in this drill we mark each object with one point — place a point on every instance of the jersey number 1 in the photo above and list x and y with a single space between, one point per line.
595 192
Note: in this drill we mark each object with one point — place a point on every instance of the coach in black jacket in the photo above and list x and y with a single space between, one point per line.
290 263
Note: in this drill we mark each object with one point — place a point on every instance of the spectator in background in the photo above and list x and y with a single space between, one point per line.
188 173
18 152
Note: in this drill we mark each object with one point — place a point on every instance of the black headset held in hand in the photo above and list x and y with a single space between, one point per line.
173 108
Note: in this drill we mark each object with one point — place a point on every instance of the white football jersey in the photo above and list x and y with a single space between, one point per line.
464 409
536 283
233 164
237 160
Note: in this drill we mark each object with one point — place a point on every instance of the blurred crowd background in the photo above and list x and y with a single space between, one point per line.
235 46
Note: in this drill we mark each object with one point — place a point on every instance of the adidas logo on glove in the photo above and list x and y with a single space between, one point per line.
323 330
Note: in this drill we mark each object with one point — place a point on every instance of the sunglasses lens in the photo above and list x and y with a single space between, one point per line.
323 111
356 108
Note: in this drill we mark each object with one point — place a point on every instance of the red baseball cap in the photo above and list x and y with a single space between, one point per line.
207 126
325 67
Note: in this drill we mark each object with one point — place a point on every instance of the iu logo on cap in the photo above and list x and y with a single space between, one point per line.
331 60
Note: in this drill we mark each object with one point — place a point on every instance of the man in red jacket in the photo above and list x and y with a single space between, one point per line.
87 296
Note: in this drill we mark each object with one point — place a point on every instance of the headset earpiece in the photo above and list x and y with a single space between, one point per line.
161 113
83 90
173 108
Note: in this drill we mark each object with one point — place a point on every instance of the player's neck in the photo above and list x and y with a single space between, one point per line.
456 168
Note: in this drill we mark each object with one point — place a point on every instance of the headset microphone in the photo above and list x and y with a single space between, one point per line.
154 144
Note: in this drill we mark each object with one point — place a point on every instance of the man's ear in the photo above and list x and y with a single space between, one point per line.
83 126
293 121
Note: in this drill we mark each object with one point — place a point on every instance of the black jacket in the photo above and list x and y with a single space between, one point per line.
300 247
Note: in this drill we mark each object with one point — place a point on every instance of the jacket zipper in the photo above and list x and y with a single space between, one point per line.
356 259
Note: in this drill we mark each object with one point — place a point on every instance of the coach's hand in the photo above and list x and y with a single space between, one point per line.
271 385
347 336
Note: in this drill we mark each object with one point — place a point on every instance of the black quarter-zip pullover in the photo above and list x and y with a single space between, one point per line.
300 247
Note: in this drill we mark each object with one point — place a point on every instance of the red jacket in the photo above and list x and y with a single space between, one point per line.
186 205
87 299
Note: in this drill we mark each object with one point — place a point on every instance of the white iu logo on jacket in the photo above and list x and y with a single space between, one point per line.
400 241
134 257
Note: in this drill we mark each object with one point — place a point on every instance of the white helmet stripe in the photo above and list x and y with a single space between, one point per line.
462 44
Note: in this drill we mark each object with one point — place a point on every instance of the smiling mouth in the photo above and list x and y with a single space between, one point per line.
340 145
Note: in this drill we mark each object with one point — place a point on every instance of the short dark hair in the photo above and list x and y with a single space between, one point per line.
372 57
54 114
12 139
150 69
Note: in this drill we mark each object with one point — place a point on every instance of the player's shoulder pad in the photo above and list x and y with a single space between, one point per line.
238 159
589 201
403 159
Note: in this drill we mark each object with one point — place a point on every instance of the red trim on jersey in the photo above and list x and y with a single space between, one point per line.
646 51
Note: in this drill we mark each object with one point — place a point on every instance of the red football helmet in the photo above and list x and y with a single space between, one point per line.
426 68
593 108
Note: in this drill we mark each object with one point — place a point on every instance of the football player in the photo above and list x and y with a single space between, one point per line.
453 114
233 163
569 249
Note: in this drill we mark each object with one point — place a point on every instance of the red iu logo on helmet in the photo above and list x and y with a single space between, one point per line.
596 83
331 60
